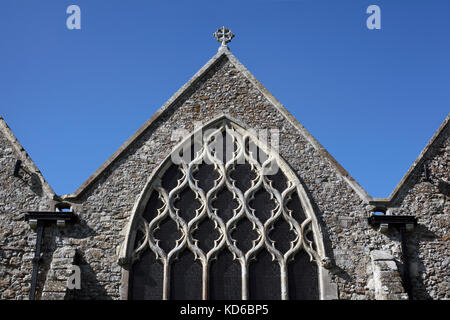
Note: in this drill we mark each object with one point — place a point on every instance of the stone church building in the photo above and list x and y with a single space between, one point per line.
182 216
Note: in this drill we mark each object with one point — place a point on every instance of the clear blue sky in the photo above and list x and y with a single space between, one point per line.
373 98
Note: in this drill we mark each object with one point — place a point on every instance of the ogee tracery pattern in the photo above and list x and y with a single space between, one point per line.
241 152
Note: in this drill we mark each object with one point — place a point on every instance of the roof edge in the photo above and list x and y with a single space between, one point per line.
172 100
306 134
25 157
401 184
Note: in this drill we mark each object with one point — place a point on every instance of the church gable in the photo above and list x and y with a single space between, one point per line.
152 228
22 188
223 87
424 192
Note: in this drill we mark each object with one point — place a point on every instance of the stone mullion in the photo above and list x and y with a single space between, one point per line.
205 280
166 280
269 244
181 243
295 244
258 243
153 243
238 214
244 274
205 199
284 280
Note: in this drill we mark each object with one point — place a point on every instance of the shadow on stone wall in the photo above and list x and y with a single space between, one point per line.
444 187
417 267
91 287
36 184
48 248
53 238
32 181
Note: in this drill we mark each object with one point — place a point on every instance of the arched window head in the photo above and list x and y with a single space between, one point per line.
224 217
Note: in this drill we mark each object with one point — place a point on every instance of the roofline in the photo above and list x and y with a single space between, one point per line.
25 157
388 201
223 51
145 126
306 134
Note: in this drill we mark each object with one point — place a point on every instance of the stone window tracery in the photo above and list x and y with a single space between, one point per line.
216 229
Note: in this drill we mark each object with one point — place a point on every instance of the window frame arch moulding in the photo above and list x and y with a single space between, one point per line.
128 254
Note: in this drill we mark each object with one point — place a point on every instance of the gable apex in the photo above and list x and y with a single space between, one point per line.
224 52
23 156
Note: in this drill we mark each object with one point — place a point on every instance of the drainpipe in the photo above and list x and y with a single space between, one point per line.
37 221
37 255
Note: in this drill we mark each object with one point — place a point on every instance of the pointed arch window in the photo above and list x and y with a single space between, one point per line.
224 217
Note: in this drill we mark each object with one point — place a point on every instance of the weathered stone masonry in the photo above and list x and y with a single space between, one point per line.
29 192
362 257
425 193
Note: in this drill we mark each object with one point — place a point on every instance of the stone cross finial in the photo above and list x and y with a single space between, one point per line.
223 35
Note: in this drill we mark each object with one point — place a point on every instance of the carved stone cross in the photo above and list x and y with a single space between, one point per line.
223 35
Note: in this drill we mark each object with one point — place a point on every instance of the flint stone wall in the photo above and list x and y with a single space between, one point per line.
17 195
427 198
